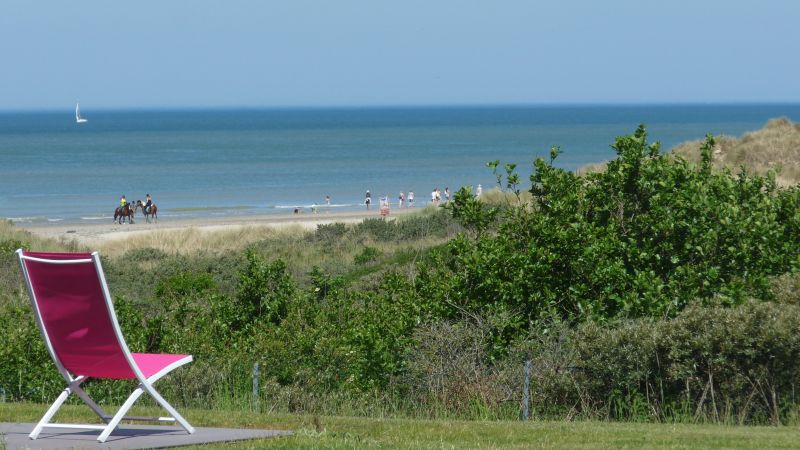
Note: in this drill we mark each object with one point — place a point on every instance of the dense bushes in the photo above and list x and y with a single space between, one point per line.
733 365
643 238
736 365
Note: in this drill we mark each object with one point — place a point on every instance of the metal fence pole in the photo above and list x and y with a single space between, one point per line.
255 386
526 391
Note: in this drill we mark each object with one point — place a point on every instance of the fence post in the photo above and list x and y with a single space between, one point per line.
255 387
526 390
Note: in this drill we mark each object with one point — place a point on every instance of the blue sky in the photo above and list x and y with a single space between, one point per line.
172 54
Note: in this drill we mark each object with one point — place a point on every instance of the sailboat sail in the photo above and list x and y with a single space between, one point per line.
78 117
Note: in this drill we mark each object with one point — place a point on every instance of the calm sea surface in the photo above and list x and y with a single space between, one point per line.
239 162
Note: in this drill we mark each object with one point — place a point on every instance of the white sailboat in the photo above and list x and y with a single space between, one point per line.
78 117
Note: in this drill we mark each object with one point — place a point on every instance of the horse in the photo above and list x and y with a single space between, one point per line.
151 214
122 212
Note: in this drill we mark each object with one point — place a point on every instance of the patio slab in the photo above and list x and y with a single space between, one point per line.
15 436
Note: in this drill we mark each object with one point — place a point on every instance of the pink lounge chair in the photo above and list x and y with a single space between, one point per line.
76 317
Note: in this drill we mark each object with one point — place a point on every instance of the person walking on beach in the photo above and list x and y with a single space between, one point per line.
447 195
384 202
368 199
328 200
410 199
478 191
401 199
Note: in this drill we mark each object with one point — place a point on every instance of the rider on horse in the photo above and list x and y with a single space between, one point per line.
147 204
122 202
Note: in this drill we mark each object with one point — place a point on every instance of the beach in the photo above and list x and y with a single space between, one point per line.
95 234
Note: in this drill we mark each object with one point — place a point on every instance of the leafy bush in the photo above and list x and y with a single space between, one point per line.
330 232
449 367
145 254
367 255
265 290
738 365
435 224
643 238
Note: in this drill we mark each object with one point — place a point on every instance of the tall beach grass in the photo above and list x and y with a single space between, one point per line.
774 147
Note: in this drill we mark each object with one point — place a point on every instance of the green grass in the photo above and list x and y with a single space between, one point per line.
352 432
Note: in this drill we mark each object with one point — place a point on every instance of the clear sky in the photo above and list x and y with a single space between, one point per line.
173 54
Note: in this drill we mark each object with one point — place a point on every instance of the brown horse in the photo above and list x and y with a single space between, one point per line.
149 214
123 212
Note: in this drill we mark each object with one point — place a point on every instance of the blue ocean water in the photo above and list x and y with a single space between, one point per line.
238 162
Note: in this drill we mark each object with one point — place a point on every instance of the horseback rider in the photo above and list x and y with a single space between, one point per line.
147 204
122 202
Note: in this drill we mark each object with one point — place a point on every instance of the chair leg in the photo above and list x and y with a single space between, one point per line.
184 423
112 424
50 413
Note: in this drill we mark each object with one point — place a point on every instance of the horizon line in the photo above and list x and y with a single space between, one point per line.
405 106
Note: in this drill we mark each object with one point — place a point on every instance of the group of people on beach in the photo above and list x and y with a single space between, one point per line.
384 201
408 201
436 196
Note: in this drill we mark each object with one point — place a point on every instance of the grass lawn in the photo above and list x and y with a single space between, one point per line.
357 432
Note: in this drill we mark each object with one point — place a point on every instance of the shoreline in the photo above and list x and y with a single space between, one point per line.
95 233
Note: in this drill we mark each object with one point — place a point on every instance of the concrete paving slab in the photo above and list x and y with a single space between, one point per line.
15 436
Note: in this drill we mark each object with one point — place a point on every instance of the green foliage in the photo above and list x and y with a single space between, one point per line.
442 329
367 255
643 238
330 232
184 284
9 246
436 224
23 356
471 212
145 254
336 338
737 365
10 276
265 290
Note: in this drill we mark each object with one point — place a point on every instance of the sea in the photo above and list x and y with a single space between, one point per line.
239 162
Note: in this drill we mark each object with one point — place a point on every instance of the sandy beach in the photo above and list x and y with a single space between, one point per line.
104 233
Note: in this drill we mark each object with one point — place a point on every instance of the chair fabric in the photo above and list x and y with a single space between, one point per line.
74 313
78 323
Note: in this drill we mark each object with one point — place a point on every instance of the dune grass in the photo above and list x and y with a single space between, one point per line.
496 196
194 240
775 147
350 432
291 242
11 235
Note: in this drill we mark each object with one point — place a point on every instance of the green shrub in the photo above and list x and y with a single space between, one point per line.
265 289
145 254
413 227
367 255
737 365
644 238
184 284
330 232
